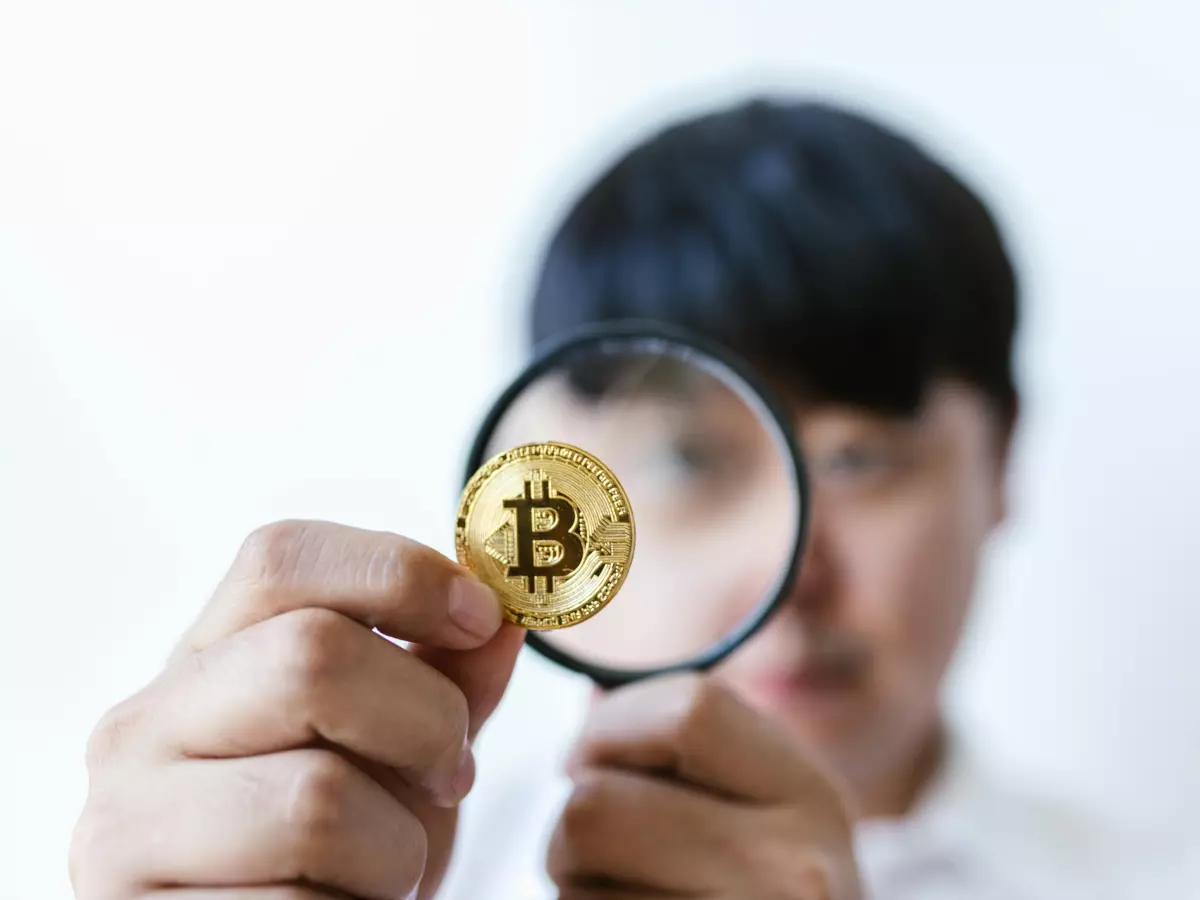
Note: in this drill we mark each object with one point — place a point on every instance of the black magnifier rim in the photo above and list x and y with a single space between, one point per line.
545 357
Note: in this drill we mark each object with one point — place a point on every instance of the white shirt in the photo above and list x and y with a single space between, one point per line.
969 838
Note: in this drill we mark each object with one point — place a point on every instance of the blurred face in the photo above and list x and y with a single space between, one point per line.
900 511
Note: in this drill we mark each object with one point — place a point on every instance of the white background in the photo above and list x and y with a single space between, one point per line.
266 259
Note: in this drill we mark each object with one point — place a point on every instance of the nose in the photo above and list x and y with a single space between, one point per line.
812 590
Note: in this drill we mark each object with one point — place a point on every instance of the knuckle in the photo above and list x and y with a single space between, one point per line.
110 734
580 829
412 851
583 808
96 866
389 564
446 732
269 553
801 875
800 864
318 804
314 646
83 853
323 820
702 702
823 812
837 814
559 860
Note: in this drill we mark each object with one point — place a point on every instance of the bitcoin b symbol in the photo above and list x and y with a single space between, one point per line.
554 559
541 521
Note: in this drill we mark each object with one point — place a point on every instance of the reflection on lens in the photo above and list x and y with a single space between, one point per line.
709 480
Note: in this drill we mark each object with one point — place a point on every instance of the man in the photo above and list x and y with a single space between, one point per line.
872 287
288 752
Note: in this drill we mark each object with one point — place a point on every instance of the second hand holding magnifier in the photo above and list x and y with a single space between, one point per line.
637 499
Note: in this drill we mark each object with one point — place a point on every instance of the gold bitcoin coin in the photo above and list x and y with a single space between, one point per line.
550 529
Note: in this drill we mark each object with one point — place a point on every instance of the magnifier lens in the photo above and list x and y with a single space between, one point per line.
710 481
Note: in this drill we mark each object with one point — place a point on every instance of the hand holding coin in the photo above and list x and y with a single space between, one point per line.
287 750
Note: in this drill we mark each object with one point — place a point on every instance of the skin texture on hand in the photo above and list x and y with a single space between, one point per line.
682 790
287 750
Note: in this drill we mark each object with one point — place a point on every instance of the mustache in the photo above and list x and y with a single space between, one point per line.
829 648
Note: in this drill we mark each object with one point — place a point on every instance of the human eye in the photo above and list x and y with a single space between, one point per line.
697 463
860 462
701 457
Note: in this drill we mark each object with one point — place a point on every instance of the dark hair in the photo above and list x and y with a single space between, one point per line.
816 243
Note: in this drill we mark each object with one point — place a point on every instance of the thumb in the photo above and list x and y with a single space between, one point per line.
482 674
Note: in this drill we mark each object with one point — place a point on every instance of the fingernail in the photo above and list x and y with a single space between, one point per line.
465 776
474 607
450 793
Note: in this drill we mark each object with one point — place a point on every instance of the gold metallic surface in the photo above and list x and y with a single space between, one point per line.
549 528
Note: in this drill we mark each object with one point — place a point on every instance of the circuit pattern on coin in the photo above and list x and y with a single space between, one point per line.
550 529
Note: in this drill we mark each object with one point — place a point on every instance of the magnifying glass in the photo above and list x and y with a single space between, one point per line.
715 482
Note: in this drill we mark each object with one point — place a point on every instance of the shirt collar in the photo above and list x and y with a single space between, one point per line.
936 831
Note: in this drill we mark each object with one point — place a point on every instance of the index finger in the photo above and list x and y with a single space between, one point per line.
405 589
697 730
